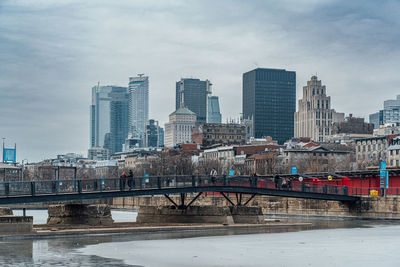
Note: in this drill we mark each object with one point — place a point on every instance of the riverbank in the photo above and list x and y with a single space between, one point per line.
45 231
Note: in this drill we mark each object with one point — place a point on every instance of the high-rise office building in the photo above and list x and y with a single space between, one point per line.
161 136
269 99
179 128
119 114
152 134
99 115
193 94
108 117
315 117
138 106
376 119
213 111
390 113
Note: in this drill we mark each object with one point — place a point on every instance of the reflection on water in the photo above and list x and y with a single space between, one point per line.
118 249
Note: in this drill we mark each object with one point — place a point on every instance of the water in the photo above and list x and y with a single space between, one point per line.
324 243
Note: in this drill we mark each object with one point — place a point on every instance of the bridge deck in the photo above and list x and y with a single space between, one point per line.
65 190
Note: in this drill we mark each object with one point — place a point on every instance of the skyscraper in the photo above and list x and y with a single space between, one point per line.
315 117
119 114
138 106
161 136
108 117
213 112
99 115
194 93
269 98
152 134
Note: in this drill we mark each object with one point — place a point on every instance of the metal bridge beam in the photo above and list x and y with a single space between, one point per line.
148 192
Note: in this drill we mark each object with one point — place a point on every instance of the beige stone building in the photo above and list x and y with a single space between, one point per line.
315 117
179 128
369 151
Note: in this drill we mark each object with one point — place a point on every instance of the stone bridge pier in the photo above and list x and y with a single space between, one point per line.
201 214
82 214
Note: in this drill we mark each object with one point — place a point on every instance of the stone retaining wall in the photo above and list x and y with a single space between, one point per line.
373 208
16 224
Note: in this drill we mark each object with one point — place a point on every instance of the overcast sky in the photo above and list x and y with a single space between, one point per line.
53 52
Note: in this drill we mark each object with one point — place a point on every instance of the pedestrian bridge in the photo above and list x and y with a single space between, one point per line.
13 192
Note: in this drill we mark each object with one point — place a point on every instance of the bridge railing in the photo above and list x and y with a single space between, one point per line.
17 188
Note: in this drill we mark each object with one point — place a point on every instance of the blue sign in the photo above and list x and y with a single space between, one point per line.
383 165
294 170
231 172
10 154
387 179
384 179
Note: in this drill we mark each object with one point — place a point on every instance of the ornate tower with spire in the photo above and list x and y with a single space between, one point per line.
315 117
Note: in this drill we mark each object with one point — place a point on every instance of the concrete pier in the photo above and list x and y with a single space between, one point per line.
67 214
16 224
200 214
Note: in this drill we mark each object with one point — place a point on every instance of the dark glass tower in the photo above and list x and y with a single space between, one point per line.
119 116
194 93
269 98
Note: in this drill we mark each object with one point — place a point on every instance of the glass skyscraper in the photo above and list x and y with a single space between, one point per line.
138 106
99 115
119 114
194 93
213 111
108 117
152 134
269 98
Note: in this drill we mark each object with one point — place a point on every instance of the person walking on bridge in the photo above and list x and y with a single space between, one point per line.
277 181
131 181
123 180
213 175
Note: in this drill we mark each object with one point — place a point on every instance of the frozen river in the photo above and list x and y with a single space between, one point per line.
354 243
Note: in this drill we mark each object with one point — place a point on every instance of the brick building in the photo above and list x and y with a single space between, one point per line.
353 125
207 134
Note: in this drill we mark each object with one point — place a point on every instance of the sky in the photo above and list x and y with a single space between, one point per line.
53 52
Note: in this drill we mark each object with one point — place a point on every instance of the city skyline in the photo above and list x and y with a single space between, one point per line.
64 48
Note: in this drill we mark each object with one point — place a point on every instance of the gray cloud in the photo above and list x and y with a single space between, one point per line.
52 53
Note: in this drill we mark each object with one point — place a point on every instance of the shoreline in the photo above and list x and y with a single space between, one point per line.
42 231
